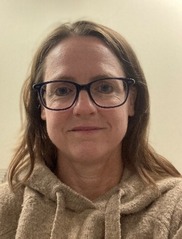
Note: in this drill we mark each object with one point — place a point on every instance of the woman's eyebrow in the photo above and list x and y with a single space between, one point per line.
74 79
61 77
106 75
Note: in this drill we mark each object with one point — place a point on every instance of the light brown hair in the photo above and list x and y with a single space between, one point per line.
35 143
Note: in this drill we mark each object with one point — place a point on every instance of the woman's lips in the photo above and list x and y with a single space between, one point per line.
86 129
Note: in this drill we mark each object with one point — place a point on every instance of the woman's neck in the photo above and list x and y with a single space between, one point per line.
90 180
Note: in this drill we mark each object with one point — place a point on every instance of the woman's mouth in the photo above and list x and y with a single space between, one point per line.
86 129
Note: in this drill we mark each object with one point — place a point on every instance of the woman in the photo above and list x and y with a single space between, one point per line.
84 168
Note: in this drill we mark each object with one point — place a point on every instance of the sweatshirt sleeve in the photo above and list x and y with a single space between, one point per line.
176 220
10 208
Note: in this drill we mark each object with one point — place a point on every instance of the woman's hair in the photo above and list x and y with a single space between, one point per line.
35 143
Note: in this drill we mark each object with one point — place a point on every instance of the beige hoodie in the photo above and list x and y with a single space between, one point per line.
47 209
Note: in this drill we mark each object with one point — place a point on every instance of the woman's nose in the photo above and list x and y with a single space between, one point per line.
84 105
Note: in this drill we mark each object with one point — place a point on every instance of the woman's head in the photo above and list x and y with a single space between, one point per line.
36 135
35 142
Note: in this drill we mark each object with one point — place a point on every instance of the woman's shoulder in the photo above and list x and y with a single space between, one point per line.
8 196
170 199
10 200
10 208
171 185
171 204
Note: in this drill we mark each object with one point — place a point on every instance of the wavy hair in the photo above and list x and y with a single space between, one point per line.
34 142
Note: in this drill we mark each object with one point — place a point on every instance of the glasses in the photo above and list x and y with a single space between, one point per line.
105 93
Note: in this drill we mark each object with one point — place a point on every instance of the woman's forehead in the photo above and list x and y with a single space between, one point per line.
81 54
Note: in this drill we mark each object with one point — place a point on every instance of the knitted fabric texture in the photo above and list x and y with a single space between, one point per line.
45 208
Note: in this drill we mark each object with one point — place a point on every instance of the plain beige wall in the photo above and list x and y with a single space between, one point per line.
153 28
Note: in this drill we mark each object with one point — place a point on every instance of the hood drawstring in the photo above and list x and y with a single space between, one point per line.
98 223
59 217
112 217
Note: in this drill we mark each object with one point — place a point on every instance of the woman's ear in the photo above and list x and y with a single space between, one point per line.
43 115
131 102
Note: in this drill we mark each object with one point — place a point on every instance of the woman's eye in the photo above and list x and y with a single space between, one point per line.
62 91
105 88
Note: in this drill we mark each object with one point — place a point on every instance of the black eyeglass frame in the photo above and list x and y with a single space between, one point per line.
39 88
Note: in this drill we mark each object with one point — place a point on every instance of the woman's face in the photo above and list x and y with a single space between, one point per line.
85 132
